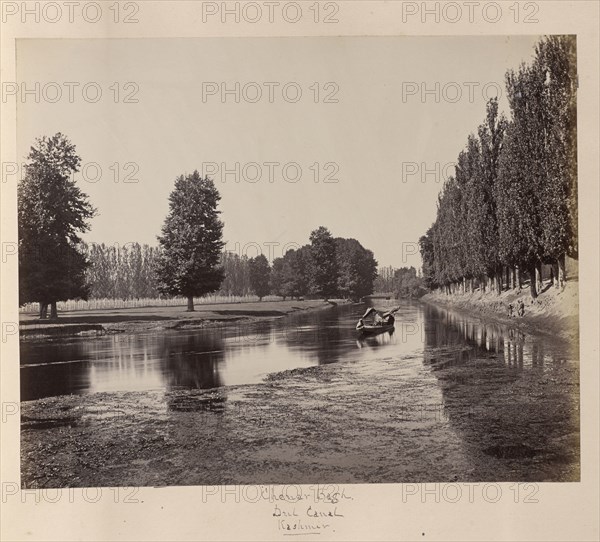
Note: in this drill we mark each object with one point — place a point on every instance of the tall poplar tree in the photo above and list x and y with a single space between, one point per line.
191 240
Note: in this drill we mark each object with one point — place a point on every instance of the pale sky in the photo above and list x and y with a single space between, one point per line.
369 133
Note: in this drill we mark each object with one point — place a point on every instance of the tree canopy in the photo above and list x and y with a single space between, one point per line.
52 213
512 203
260 274
191 240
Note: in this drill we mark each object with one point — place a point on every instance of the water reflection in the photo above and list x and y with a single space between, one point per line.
477 338
511 396
192 361
375 341
224 356
53 368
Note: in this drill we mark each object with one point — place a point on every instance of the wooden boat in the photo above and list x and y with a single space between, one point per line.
374 322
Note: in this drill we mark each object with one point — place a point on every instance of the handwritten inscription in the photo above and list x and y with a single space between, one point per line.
310 512
318 512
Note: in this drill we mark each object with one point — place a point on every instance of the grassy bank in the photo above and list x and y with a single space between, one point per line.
554 312
132 320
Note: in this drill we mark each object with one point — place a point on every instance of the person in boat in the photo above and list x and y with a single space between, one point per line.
378 320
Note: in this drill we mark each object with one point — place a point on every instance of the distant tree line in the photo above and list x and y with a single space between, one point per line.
237 274
130 271
121 272
328 267
512 204
384 282
405 282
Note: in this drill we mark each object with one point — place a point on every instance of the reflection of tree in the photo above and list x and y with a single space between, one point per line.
328 337
318 334
498 397
192 361
51 378
513 347
460 339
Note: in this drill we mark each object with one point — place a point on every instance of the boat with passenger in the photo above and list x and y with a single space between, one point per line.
373 321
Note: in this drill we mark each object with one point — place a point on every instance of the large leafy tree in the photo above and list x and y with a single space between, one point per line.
260 274
52 213
191 240
296 272
479 163
522 174
357 269
538 169
277 277
466 211
324 267
518 210
556 66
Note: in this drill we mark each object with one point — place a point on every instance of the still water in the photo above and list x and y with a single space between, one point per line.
245 354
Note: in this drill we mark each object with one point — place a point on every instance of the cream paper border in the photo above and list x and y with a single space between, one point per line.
378 512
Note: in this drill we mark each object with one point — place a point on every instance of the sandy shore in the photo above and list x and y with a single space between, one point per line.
134 320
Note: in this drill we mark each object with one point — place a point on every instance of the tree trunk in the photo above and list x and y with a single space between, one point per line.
511 278
43 311
538 277
518 282
53 310
562 274
190 303
497 280
533 281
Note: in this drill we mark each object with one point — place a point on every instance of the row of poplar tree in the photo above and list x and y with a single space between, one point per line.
512 204
56 265
130 271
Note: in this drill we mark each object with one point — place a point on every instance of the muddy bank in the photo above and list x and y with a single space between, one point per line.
554 312
134 320
410 419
